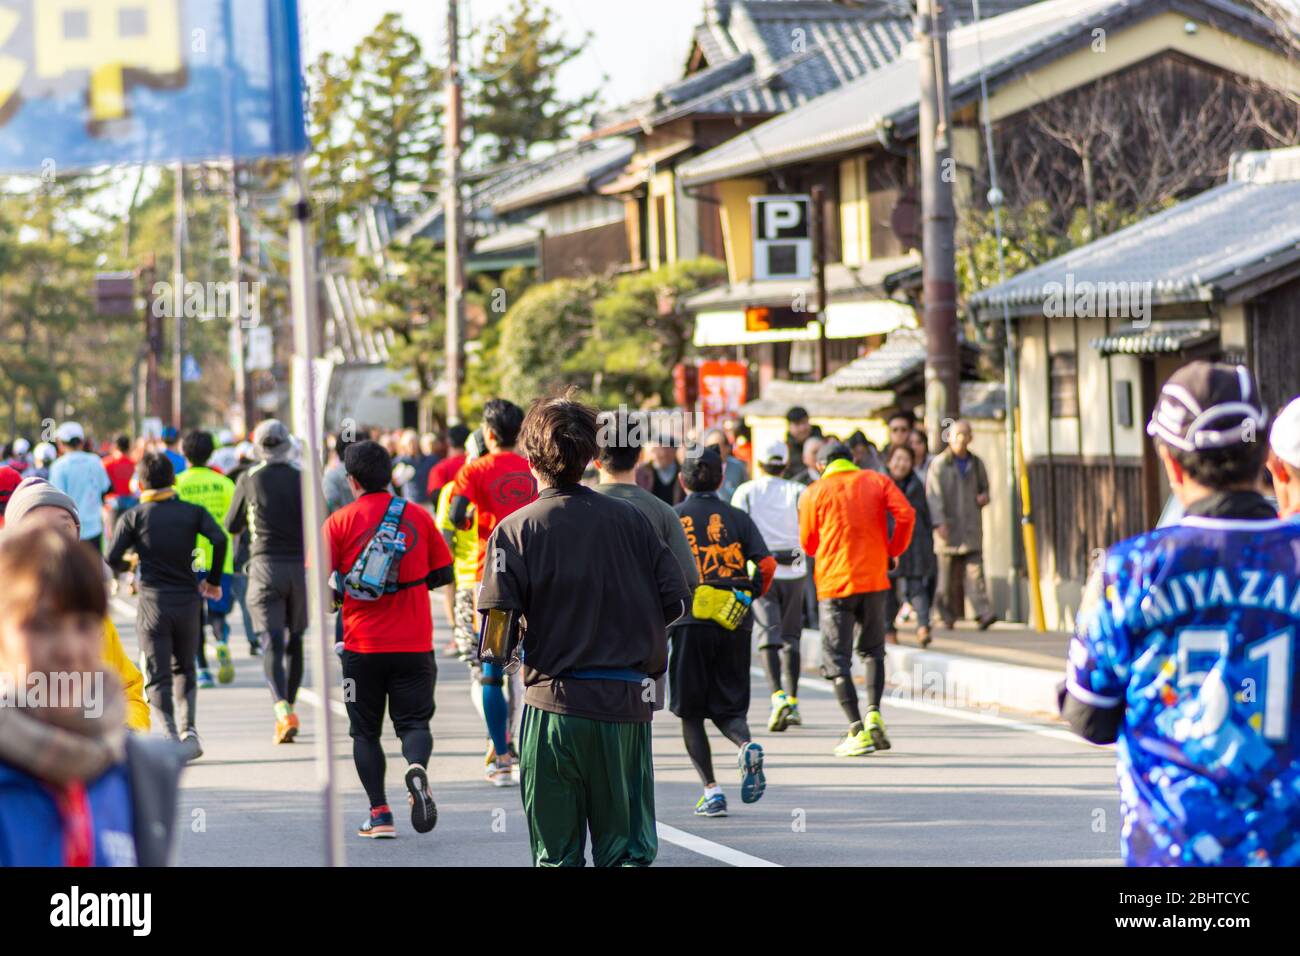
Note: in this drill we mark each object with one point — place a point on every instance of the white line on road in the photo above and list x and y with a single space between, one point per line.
313 698
1054 733
715 851
123 608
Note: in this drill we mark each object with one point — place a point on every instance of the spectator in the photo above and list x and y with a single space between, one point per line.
338 492
659 475
865 454
913 575
75 789
901 425
957 490
919 442
798 430
734 473
81 476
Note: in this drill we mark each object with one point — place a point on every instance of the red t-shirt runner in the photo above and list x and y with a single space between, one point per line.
444 472
497 485
396 623
120 469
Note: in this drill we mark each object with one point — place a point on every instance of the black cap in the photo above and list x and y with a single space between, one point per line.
1206 406
832 451
796 414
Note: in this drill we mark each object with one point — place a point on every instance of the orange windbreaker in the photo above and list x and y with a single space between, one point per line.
842 525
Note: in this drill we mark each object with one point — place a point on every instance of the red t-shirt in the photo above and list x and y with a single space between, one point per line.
400 622
444 472
120 470
497 485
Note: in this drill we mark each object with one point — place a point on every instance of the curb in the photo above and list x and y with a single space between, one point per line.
953 680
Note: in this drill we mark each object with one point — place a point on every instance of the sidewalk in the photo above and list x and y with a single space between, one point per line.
1008 666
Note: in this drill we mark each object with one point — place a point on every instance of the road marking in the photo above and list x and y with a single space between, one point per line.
123 608
715 851
313 698
1053 733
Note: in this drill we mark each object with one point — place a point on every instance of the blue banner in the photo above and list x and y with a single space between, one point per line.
89 82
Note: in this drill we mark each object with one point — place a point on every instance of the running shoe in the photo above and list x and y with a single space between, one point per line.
793 719
379 825
714 806
500 772
225 663
855 745
779 719
424 812
193 747
205 680
876 729
923 636
752 781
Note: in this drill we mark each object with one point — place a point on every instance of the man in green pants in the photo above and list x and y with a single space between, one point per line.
597 588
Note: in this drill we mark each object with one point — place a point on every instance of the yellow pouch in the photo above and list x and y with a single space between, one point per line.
719 605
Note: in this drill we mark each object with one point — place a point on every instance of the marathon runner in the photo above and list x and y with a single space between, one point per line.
1185 653
268 504
213 492
496 486
388 640
843 523
773 504
80 475
709 662
162 530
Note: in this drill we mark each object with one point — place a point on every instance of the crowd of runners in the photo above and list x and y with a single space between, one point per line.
592 576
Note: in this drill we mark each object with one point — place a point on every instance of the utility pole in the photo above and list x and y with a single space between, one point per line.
939 271
153 403
236 230
819 251
454 239
178 298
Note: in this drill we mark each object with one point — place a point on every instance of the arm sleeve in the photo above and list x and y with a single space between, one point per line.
440 562
934 496
209 528
237 516
808 535
897 505
115 656
982 477
1097 668
105 482
462 496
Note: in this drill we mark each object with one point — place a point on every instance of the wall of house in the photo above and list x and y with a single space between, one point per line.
737 230
592 251
855 211
662 201
1274 319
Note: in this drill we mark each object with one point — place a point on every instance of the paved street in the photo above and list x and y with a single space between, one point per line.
957 788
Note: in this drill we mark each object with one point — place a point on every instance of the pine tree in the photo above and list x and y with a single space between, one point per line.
516 102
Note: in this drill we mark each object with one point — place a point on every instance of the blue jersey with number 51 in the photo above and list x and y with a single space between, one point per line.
1192 630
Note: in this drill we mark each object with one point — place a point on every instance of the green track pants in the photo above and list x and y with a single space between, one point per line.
580 775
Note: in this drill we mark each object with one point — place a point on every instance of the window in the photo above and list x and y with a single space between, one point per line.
1064 382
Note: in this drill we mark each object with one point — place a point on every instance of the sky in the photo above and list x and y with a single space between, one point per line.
638 44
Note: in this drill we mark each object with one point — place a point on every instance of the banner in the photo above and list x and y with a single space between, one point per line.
723 389
91 82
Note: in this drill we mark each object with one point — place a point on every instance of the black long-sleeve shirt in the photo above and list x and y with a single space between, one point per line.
163 534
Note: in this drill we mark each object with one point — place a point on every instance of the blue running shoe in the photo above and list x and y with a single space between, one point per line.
752 781
714 806
205 680
379 825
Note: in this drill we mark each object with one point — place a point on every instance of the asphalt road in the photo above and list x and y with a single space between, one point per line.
958 787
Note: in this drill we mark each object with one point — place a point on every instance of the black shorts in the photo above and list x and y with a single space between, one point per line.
778 614
849 625
708 668
404 681
277 595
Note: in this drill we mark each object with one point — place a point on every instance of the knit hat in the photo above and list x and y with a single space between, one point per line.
33 493
9 480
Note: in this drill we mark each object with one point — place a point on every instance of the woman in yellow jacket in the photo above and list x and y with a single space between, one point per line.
137 708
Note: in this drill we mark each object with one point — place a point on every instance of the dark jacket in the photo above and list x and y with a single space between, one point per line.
648 478
918 561
163 534
268 506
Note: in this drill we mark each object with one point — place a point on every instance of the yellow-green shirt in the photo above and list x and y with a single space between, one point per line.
212 492
464 550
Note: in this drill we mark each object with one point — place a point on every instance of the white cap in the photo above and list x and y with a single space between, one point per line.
777 453
1285 437
70 431
226 437
45 452
22 446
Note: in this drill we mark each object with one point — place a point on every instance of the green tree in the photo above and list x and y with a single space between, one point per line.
516 101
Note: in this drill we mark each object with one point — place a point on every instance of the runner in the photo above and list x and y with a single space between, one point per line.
1184 653
709 663
388 638
162 531
81 476
239 544
213 492
170 439
463 546
597 587
843 523
121 469
445 471
773 504
268 504
496 485
1284 460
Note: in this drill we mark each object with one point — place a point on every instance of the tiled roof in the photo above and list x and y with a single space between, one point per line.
858 112
820 399
842 282
902 355
1195 251
1162 338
